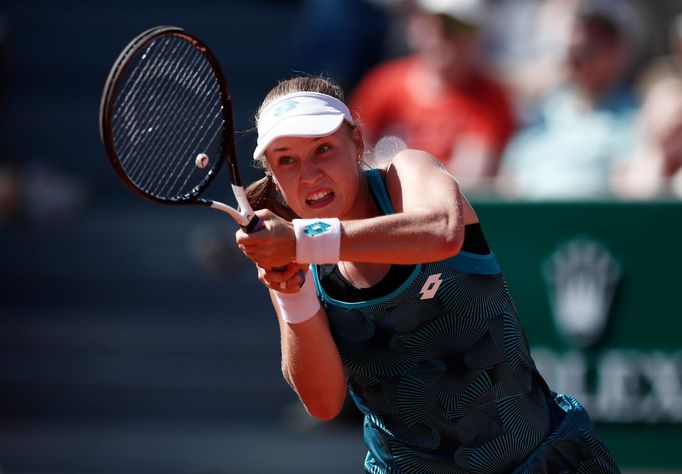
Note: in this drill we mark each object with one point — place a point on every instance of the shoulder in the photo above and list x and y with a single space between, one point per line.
413 160
415 167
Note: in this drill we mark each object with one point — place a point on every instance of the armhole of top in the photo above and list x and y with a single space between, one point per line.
378 188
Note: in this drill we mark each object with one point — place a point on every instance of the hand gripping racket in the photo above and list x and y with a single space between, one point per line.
166 122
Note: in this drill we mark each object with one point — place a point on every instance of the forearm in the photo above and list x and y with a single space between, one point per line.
428 224
402 238
311 364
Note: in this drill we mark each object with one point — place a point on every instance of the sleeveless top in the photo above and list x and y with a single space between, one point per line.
441 368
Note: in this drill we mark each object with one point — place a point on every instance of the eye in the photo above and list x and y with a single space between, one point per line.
323 148
285 160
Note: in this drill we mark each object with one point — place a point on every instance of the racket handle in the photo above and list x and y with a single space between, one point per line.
254 225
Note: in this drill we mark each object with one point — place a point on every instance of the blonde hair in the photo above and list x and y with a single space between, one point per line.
263 194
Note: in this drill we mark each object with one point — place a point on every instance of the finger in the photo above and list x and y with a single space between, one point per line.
240 236
278 282
297 272
279 273
280 286
275 278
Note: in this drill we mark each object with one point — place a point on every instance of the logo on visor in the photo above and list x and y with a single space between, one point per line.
316 228
285 107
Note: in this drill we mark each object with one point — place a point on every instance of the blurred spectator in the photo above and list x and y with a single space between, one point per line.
656 165
439 98
341 38
38 193
31 190
9 182
9 193
666 65
586 125
525 41
655 168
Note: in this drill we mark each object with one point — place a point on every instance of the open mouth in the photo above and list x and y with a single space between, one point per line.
319 199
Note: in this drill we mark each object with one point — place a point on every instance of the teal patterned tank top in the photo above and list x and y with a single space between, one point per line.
441 368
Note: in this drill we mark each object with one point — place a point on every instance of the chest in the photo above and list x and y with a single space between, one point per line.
439 313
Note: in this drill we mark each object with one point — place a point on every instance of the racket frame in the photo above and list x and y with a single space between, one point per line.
243 214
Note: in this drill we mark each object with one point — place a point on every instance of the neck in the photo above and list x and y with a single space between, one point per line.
364 275
365 206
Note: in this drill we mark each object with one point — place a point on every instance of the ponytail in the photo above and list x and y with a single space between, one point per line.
263 194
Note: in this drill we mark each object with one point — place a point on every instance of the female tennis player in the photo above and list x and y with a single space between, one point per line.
390 293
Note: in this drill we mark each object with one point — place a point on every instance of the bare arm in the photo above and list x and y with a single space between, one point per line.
310 361
428 224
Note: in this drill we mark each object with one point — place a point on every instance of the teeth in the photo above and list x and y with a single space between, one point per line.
319 195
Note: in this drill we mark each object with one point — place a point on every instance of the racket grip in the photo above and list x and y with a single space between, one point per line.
254 225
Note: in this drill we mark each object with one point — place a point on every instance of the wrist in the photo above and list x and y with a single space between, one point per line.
317 240
301 306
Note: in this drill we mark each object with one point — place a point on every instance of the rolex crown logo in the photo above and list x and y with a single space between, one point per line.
582 277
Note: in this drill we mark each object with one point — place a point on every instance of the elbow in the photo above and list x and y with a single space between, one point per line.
453 244
451 235
325 407
324 412
287 374
324 401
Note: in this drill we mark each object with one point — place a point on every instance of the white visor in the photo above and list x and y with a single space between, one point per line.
300 114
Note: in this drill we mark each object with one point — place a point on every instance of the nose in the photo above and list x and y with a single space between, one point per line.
310 172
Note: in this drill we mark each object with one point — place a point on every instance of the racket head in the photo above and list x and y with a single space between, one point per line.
165 102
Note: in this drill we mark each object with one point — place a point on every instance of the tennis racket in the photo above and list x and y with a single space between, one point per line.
166 122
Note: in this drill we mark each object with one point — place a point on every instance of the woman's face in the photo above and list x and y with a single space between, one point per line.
319 176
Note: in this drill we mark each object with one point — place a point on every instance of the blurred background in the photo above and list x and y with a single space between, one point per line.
135 338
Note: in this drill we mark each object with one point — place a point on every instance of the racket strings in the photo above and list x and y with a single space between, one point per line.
186 146
137 114
165 148
170 73
164 109
191 163
126 111
168 110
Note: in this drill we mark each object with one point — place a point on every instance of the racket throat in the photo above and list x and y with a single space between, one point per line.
244 214
241 219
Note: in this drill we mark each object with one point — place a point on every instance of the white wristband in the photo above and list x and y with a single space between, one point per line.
317 240
301 306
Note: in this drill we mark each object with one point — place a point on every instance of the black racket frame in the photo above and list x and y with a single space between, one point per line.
227 147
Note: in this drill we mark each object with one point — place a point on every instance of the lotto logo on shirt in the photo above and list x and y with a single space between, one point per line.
431 286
